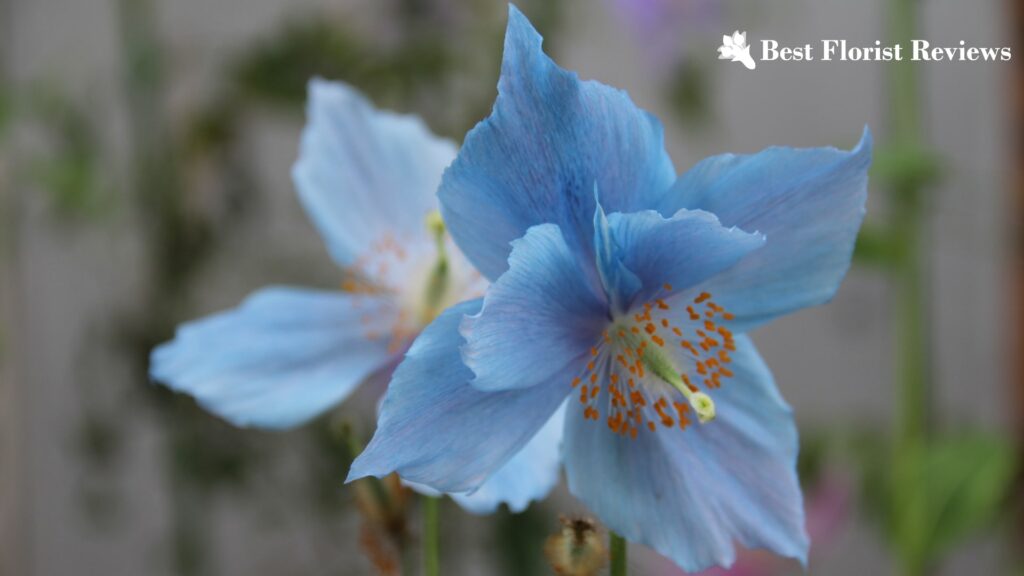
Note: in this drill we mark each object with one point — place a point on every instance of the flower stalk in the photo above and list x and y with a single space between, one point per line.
908 274
431 536
617 545
486 376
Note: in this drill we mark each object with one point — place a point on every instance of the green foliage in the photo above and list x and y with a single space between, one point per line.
928 499
813 457
276 71
966 482
875 247
69 165
71 180
689 92
435 55
905 169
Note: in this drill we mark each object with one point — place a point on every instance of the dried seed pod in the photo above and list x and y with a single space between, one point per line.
578 549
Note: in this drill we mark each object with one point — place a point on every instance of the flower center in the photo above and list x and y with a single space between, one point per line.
419 273
635 380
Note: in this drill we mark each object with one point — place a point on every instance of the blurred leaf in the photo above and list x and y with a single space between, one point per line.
875 247
212 129
811 459
276 72
72 182
277 69
954 488
70 171
905 168
967 481
689 92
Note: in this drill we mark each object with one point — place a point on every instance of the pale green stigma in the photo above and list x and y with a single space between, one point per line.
685 348
437 283
435 225
659 364
703 405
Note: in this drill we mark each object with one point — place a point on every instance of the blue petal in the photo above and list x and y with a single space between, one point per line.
540 317
438 430
282 357
690 493
537 158
364 174
671 255
529 475
620 284
809 203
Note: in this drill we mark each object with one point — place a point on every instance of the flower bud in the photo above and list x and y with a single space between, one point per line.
578 549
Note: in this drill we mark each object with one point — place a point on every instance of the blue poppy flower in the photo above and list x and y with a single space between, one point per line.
626 292
367 179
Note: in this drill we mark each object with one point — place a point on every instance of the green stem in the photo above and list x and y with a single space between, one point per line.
908 274
618 547
905 116
431 536
903 79
912 364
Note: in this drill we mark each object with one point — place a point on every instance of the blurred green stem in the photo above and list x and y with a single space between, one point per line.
617 545
431 536
908 274
902 74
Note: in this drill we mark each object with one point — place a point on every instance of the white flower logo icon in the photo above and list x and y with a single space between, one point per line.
735 48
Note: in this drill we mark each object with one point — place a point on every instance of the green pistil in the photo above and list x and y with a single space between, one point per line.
438 282
658 363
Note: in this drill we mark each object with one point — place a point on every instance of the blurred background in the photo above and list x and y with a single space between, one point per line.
145 151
